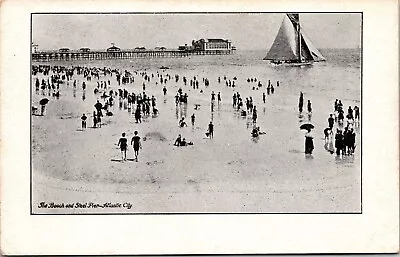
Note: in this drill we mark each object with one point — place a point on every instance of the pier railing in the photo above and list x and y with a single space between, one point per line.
123 54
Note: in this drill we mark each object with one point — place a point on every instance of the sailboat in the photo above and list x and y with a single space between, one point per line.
291 46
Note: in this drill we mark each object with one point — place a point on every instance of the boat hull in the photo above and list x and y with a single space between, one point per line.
292 64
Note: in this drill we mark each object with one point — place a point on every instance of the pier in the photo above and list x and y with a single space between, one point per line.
75 55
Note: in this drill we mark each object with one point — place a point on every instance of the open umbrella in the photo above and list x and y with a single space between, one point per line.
44 101
98 106
307 126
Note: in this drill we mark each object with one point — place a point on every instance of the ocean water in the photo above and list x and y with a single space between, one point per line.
338 77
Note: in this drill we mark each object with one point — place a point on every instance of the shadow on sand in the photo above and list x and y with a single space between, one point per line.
119 160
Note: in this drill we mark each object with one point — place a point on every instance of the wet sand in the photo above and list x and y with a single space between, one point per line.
230 173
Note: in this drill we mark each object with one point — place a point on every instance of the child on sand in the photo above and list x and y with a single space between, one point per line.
123 143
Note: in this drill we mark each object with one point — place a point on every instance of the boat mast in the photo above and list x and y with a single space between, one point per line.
298 36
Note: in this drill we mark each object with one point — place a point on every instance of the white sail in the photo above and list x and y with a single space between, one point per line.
292 44
314 52
285 44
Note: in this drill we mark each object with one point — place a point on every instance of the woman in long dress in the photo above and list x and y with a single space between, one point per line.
309 143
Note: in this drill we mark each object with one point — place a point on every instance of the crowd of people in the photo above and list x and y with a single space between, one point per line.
137 101
344 137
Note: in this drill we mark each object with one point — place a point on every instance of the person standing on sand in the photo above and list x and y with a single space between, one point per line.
135 142
138 115
301 102
176 98
335 105
99 119
331 121
94 119
219 97
193 119
211 130
356 113
83 118
340 117
338 142
309 109
254 115
350 114
37 84
309 144
123 143
42 109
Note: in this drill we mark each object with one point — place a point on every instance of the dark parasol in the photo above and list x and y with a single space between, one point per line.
307 126
98 106
44 101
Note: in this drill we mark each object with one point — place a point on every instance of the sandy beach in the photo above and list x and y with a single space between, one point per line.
232 172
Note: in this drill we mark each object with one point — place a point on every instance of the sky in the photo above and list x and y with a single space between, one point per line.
247 31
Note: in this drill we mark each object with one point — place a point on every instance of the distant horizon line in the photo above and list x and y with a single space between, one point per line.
237 49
